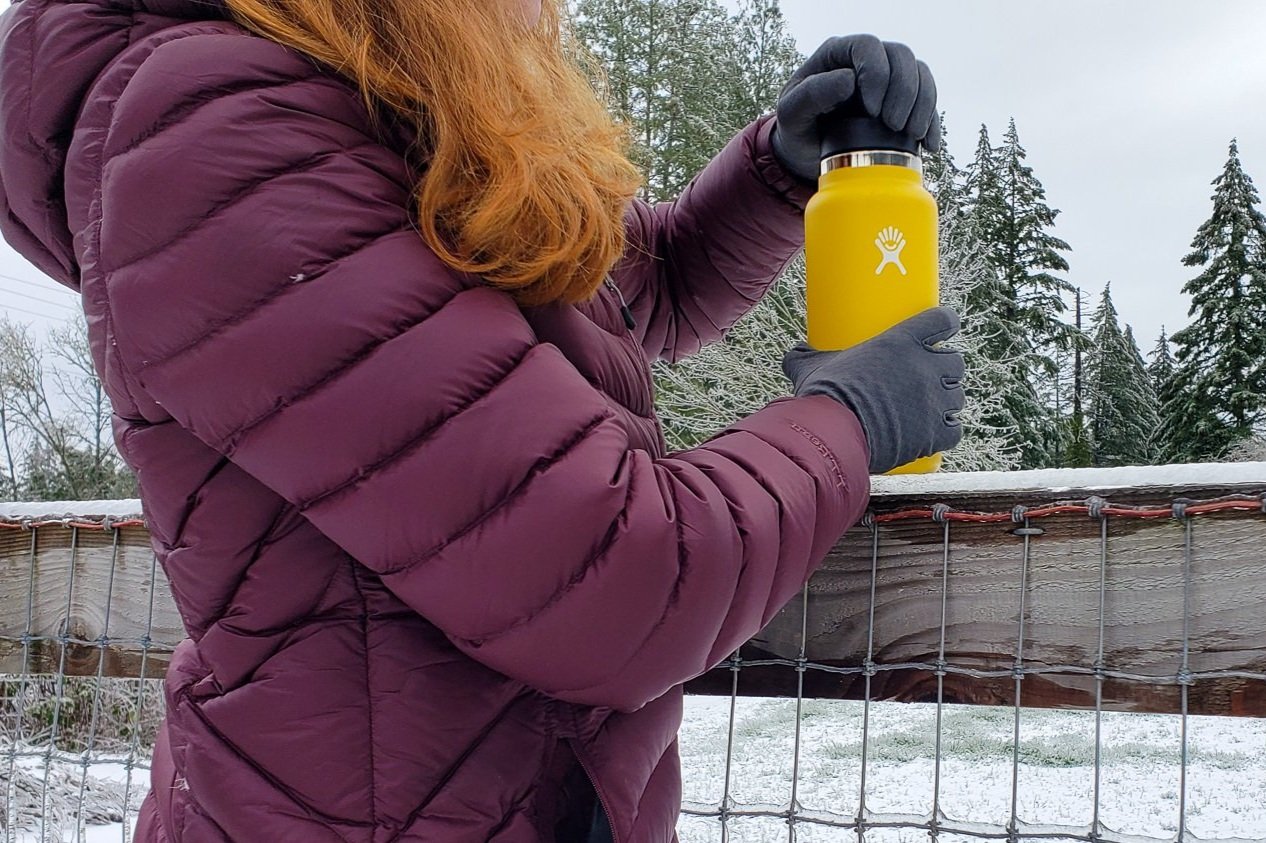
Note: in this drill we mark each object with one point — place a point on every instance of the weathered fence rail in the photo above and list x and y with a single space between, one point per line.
1140 581
79 587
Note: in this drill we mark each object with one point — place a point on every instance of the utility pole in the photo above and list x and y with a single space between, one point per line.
1077 364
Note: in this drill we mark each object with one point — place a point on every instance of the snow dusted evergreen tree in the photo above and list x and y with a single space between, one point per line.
1216 398
668 65
944 179
1073 448
1160 368
985 205
1032 253
984 208
1160 365
1123 406
738 375
1153 414
970 286
765 60
990 436
1007 207
688 77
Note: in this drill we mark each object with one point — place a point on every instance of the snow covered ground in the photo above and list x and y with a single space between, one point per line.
1140 784
92 834
1226 781
104 791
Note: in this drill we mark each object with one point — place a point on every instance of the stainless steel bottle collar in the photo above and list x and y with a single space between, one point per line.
871 158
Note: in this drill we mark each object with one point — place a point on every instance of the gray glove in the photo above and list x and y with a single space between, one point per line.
906 393
892 84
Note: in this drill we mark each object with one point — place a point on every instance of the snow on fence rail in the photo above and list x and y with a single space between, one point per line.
1102 590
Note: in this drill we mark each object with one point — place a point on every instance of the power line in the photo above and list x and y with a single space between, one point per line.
51 317
41 301
27 281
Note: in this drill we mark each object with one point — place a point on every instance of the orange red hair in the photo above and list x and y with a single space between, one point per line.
526 175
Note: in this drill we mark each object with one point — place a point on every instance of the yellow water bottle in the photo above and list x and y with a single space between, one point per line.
870 240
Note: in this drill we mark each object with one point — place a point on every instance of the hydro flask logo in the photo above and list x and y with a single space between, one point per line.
890 243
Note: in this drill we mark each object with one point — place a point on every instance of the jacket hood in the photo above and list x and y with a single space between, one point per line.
51 51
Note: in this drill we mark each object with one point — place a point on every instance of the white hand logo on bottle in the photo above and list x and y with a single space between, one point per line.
890 242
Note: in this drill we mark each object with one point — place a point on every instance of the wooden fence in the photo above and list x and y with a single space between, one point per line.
1133 589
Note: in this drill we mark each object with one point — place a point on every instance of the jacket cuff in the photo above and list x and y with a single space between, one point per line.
826 439
793 189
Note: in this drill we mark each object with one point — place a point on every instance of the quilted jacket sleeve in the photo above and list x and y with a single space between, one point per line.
268 290
694 266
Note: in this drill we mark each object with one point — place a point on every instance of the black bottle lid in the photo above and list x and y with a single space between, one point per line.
851 129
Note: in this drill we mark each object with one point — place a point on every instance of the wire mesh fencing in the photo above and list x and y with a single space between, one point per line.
80 668
1145 604
914 605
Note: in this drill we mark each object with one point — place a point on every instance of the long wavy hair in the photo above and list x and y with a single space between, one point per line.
525 174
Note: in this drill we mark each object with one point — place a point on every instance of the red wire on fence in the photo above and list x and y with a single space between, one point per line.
106 523
1237 502
1242 503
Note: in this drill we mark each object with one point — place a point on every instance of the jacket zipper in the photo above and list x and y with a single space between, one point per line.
629 321
602 799
644 373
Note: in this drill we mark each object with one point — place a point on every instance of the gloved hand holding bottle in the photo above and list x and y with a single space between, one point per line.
853 120
904 388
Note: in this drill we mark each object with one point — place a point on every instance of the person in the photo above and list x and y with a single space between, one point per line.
356 275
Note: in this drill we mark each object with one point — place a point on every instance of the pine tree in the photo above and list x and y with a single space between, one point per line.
984 207
765 59
1029 255
1123 406
1032 253
668 63
944 179
1216 397
1074 449
970 286
991 439
1142 373
1160 366
1007 208
688 77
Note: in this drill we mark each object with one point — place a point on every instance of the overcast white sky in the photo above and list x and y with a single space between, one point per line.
1125 108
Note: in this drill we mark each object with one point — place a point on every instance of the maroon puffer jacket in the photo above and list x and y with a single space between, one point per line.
427 546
